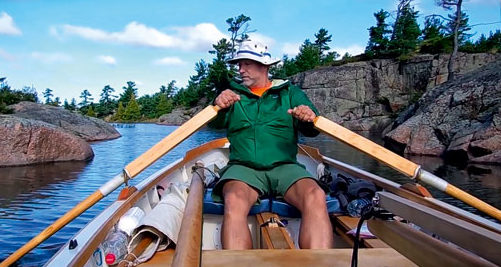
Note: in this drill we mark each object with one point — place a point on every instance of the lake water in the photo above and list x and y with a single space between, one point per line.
33 197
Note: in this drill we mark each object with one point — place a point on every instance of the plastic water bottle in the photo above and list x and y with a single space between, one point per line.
130 220
356 206
115 247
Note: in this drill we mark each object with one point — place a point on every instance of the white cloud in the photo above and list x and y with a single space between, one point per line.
266 40
169 61
7 25
352 50
291 49
5 55
50 58
198 38
107 60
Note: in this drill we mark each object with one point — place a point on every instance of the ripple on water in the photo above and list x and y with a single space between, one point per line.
35 196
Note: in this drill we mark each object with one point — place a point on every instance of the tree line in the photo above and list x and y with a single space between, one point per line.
400 39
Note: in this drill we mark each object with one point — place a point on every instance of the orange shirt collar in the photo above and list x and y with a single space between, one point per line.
260 90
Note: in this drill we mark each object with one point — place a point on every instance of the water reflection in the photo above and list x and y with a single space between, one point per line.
25 182
33 197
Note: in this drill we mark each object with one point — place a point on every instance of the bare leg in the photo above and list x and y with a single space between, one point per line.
316 228
238 199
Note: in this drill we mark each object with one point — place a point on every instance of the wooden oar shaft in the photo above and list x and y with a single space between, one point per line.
170 141
365 145
189 245
473 201
49 231
400 164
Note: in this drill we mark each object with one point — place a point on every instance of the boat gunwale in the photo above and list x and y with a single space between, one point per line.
144 186
430 202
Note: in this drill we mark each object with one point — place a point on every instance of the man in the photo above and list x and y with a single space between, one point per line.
262 119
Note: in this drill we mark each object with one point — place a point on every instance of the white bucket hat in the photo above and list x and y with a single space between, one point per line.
254 51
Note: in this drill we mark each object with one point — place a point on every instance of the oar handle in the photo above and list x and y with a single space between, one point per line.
365 145
170 141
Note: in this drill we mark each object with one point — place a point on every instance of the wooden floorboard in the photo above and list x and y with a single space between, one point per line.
374 257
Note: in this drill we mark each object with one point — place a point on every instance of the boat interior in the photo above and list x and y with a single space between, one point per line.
425 232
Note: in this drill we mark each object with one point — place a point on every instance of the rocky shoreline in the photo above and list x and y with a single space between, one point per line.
408 104
394 100
37 133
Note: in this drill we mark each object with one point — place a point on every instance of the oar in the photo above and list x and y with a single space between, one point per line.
130 171
401 164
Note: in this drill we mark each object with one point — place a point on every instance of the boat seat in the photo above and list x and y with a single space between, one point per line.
278 206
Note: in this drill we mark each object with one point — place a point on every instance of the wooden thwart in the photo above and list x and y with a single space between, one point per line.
375 257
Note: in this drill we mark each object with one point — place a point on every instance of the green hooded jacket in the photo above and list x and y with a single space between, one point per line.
261 132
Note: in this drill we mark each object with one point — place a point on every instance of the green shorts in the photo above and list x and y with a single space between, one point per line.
275 181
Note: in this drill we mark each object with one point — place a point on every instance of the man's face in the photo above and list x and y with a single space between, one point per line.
253 73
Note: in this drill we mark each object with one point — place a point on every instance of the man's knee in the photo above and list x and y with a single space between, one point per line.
238 197
314 198
307 195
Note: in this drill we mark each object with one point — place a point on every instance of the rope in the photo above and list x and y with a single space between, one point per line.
129 263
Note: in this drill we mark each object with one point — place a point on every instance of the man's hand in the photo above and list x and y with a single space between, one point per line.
303 113
226 98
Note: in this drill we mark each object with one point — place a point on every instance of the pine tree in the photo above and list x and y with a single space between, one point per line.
308 57
378 36
129 90
405 30
90 112
86 98
434 40
106 102
164 106
120 114
323 38
239 29
47 94
132 111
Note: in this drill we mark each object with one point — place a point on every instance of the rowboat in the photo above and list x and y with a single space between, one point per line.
410 226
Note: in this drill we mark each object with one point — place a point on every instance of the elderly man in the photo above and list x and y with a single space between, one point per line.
262 119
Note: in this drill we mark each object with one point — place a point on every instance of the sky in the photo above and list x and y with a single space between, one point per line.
72 45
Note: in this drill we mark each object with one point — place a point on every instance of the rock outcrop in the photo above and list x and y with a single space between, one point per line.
460 120
179 115
366 96
88 128
27 141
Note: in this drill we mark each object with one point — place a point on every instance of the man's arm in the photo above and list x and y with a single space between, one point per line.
304 111
224 100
